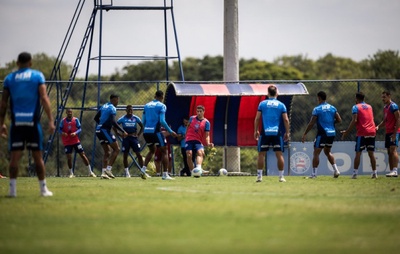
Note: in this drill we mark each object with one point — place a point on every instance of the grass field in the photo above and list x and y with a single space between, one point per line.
206 215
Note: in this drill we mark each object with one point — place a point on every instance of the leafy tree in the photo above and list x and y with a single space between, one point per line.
330 67
383 65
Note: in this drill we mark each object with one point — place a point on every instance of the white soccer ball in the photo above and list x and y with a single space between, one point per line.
197 172
222 172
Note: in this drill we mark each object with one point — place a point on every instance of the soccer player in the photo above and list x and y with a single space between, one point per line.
69 129
181 138
130 123
153 118
197 133
271 112
325 115
363 119
392 124
26 90
106 119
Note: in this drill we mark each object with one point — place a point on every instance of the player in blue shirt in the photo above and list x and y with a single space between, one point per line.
26 90
182 141
130 123
153 118
272 113
325 115
106 119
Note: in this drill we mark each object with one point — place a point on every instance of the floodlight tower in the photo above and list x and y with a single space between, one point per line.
95 24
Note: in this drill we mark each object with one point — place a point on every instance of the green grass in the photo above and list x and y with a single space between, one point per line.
206 215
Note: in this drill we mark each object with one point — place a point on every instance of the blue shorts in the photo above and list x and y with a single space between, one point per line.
265 142
31 136
363 142
105 136
321 140
130 142
389 142
193 145
77 147
155 139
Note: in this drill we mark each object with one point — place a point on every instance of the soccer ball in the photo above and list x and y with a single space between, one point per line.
196 172
222 172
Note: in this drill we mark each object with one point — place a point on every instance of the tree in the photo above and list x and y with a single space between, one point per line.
330 67
383 65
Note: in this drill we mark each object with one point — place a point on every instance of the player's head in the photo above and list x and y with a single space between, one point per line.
68 111
321 95
129 109
272 91
114 99
159 95
24 60
200 111
360 96
185 120
386 97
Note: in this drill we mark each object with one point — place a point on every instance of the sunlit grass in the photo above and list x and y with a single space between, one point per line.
206 215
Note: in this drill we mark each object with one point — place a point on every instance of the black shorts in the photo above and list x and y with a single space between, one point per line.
31 136
389 142
155 139
265 142
321 140
365 143
77 147
105 136
130 142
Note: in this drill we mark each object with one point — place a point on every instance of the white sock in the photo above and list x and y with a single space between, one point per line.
164 173
13 187
127 170
144 169
374 171
280 173
314 171
109 168
355 171
395 169
70 170
42 185
90 168
103 170
259 172
335 167
198 166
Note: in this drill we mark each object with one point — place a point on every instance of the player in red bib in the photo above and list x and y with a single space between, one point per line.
363 119
69 129
392 125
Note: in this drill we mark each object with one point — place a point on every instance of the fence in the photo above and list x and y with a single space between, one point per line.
85 97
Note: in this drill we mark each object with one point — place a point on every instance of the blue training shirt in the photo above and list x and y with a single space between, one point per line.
107 112
271 111
154 117
182 130
325 114
23 86
129 124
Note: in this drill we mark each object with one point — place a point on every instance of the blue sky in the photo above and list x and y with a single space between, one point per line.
268 29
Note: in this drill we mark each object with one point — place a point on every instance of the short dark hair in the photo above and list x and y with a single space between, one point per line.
128 106
360 96
201 107
386 92
24 58
322 95
112 96
159 94
272 90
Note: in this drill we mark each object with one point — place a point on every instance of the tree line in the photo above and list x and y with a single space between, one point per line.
381 65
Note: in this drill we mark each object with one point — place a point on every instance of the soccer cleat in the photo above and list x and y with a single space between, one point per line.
127 175
104 176
109 174
71 176
282 179
374 176
336 174
259 179
143 174
311 177
92 174
167 177
354 176
46 193
392 174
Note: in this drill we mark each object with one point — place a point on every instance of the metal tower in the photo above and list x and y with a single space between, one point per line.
95 24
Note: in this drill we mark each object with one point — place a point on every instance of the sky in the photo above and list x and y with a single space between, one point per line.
268 29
